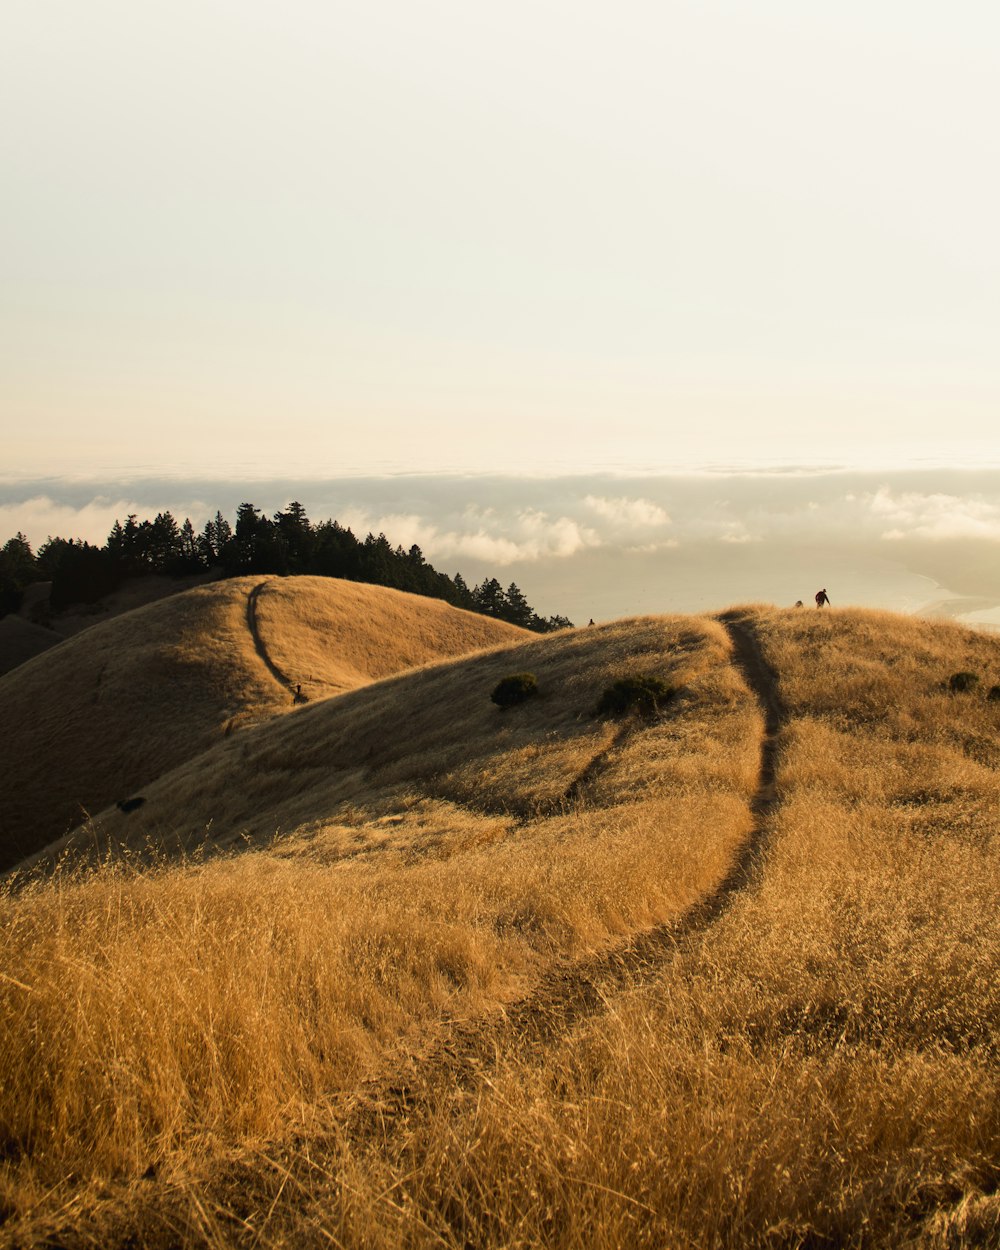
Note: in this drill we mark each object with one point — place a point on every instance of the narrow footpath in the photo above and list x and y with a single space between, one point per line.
281 678
569 994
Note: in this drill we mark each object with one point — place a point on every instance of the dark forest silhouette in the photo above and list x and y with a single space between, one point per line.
285 543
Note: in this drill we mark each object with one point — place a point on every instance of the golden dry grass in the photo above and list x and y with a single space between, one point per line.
362 771
122 703
822 1069
147 1012
813 1063
331 642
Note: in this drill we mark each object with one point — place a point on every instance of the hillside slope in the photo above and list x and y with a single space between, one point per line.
382 765
35 628
719 975
109 710
22 640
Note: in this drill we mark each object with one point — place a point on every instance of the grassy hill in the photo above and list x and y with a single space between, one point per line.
387 763
35 627
21 640
722 974
127 700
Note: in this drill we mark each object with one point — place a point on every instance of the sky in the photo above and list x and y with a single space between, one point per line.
645 306
325 240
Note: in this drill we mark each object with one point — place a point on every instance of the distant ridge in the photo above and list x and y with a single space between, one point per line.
97 717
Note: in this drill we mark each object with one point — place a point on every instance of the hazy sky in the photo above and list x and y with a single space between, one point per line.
334 238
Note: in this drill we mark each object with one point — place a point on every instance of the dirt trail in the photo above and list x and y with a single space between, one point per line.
763 681
521 814
258 642
596 765
464 1053
570 993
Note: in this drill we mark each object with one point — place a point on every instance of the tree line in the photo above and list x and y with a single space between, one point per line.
285 543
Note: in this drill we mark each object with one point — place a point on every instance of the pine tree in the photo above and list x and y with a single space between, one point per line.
190 559
18 569
247 525
517 609
295 537
164 542
489 598
462 595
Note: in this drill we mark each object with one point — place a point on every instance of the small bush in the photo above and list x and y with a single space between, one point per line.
961 683
994 694
514 689
639 694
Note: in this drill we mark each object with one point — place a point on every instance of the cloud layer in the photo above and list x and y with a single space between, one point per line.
507 521
601 546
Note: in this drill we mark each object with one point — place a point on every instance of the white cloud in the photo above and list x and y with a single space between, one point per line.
481 534
628 514
41 517
649 549
717 524
937 517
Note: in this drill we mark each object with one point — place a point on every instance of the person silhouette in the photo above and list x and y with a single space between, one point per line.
821 598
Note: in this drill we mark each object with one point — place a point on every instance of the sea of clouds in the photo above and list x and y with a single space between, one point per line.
603 545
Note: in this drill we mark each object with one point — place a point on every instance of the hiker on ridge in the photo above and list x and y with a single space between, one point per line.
821 598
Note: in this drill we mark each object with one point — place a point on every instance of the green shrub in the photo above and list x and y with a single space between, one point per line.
514 689
961 683
639 694
994 694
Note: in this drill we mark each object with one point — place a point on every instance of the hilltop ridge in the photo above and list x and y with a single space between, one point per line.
128 699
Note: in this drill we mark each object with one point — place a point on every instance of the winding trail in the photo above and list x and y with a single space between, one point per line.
465 1053
763 681
596 765
521 814
281 678
573 991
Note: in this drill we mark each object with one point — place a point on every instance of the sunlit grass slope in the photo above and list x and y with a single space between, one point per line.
113 708
822 1068
404 760
332 636
302 1044
438 856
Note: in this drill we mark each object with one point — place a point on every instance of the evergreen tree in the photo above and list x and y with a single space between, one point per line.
517 609
125 546
164 543
81 573
48 555
489 598
377 561
116 541
214 539
336 552
18 569
461 595
247 536
189 558
295 536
